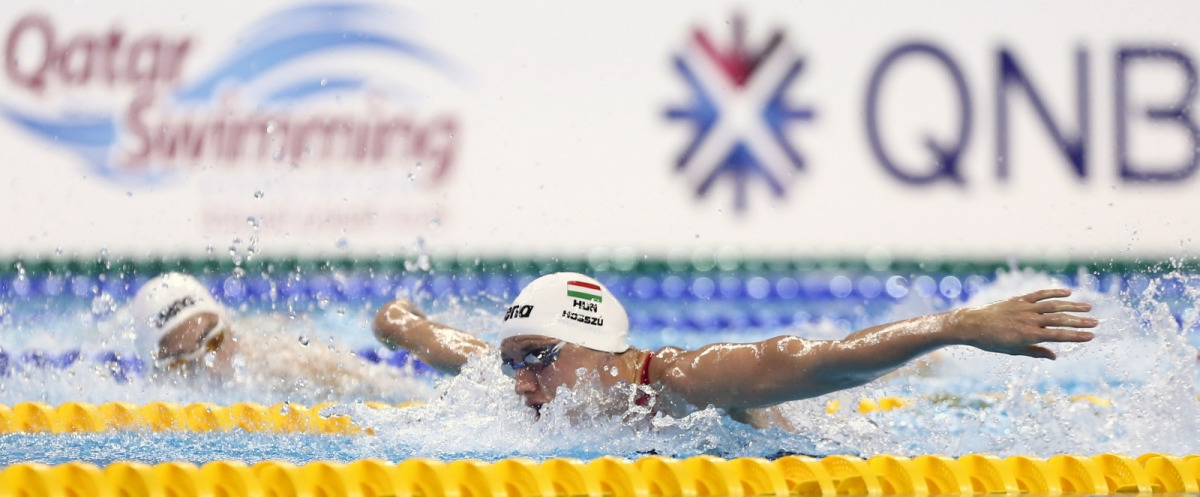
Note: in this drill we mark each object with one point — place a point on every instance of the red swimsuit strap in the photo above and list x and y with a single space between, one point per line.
646 370
643 398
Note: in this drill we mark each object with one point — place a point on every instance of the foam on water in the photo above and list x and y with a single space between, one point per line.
281 359
964 400
971 401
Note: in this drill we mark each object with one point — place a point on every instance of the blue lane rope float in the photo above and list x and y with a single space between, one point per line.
352 285
654 300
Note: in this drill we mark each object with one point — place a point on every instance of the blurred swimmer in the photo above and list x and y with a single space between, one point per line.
564 323
188 334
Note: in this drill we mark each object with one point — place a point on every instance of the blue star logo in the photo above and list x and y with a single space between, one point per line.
739 114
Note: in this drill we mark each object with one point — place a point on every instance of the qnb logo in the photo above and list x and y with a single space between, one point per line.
739 113
309 86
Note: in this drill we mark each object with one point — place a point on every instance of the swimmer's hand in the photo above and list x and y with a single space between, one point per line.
1015 326
401 325
402 308
396 321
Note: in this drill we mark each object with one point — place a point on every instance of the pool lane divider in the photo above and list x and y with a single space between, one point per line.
609 476
123 366
203 417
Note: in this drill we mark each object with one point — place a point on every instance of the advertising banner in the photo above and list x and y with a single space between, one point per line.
914 129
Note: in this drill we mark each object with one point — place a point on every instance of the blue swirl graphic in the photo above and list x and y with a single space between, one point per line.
276 40
90 137
247 67
347 17
309 88
78 130
304 32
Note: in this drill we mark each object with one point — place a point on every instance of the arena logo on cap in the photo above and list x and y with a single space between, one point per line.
518 312
739 112
173 310
318 86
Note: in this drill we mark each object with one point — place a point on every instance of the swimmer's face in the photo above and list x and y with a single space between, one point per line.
538 383
190 340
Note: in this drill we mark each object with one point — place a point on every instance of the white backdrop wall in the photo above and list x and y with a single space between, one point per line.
956 129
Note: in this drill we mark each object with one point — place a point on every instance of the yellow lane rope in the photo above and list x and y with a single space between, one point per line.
83 417
609 476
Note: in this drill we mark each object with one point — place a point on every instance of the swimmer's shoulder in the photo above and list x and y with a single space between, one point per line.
669 370
667 355
664 360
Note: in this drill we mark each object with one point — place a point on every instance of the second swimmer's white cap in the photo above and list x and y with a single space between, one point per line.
165 302
570 307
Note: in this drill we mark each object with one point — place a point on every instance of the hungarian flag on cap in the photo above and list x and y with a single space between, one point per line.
584 290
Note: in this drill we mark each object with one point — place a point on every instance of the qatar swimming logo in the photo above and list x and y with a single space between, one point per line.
302 89
739 113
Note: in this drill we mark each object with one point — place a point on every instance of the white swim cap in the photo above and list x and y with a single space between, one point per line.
570 307
166 301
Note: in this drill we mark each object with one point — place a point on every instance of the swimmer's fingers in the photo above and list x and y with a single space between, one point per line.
1063 335
1067 321
1049 293
1051 306
1053 335
1037 352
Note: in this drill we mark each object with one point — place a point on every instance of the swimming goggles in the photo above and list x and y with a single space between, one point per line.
536 359
208 342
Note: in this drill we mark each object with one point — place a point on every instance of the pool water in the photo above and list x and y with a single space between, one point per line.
62 342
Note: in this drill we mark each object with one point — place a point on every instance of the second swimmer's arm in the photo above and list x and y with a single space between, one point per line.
399 324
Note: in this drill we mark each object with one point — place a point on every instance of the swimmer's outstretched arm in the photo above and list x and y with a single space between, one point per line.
399 324
782 369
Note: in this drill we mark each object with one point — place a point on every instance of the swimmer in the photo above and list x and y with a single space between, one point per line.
563 322
187 334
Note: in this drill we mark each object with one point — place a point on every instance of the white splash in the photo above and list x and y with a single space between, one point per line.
964 400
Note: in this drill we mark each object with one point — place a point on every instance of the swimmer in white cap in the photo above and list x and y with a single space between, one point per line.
187 333
563 322
178 322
